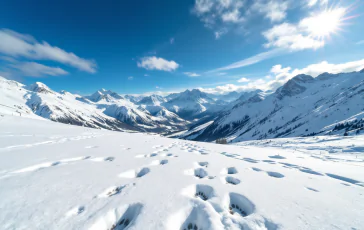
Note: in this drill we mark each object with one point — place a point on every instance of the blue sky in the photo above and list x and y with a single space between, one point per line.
143 46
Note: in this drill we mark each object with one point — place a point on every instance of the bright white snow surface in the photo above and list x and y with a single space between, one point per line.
56 176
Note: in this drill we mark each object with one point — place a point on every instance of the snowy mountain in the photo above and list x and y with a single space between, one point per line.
132 98
103 109
57 176
104 95
304 106
152 100
228 97
192 103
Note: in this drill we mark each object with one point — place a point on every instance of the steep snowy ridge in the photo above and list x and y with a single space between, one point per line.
303 106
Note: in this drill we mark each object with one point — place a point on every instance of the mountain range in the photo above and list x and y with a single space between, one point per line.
304 106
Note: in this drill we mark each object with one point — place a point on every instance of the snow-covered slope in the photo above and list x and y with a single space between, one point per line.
56 176
304 106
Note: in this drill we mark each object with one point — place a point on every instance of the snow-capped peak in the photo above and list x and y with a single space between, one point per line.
39 87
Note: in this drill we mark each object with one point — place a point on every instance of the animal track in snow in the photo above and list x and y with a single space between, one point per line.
118 219
159 162
200 173
346 179
229 170
239 204
201 191
202 164
250 160
269 161
256 169
275 174
135 173
309 171
232 180
277 157
197 215
197 172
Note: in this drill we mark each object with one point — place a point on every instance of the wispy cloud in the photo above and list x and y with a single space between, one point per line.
156 63
130 78
19 45
171 41
33 69
360 42
251 60
191 74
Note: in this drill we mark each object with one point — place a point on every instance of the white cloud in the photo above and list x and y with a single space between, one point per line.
155 63
171 40
191 74
288 36
309 33
146 75
18 45
223 89
203 6
360 42
273 10
243 80
232 16
311 3
251 60
219 15
33 69
130 78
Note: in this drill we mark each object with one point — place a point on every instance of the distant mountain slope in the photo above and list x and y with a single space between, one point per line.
304 106
152 100
192 103
103 109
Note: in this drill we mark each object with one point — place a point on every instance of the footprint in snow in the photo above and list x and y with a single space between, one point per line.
135 173
119 218
275 174
231 180
229 170
159 162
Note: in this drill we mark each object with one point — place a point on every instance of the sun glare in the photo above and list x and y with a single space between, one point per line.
325 23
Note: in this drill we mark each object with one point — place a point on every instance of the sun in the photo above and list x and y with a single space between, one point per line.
325 23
